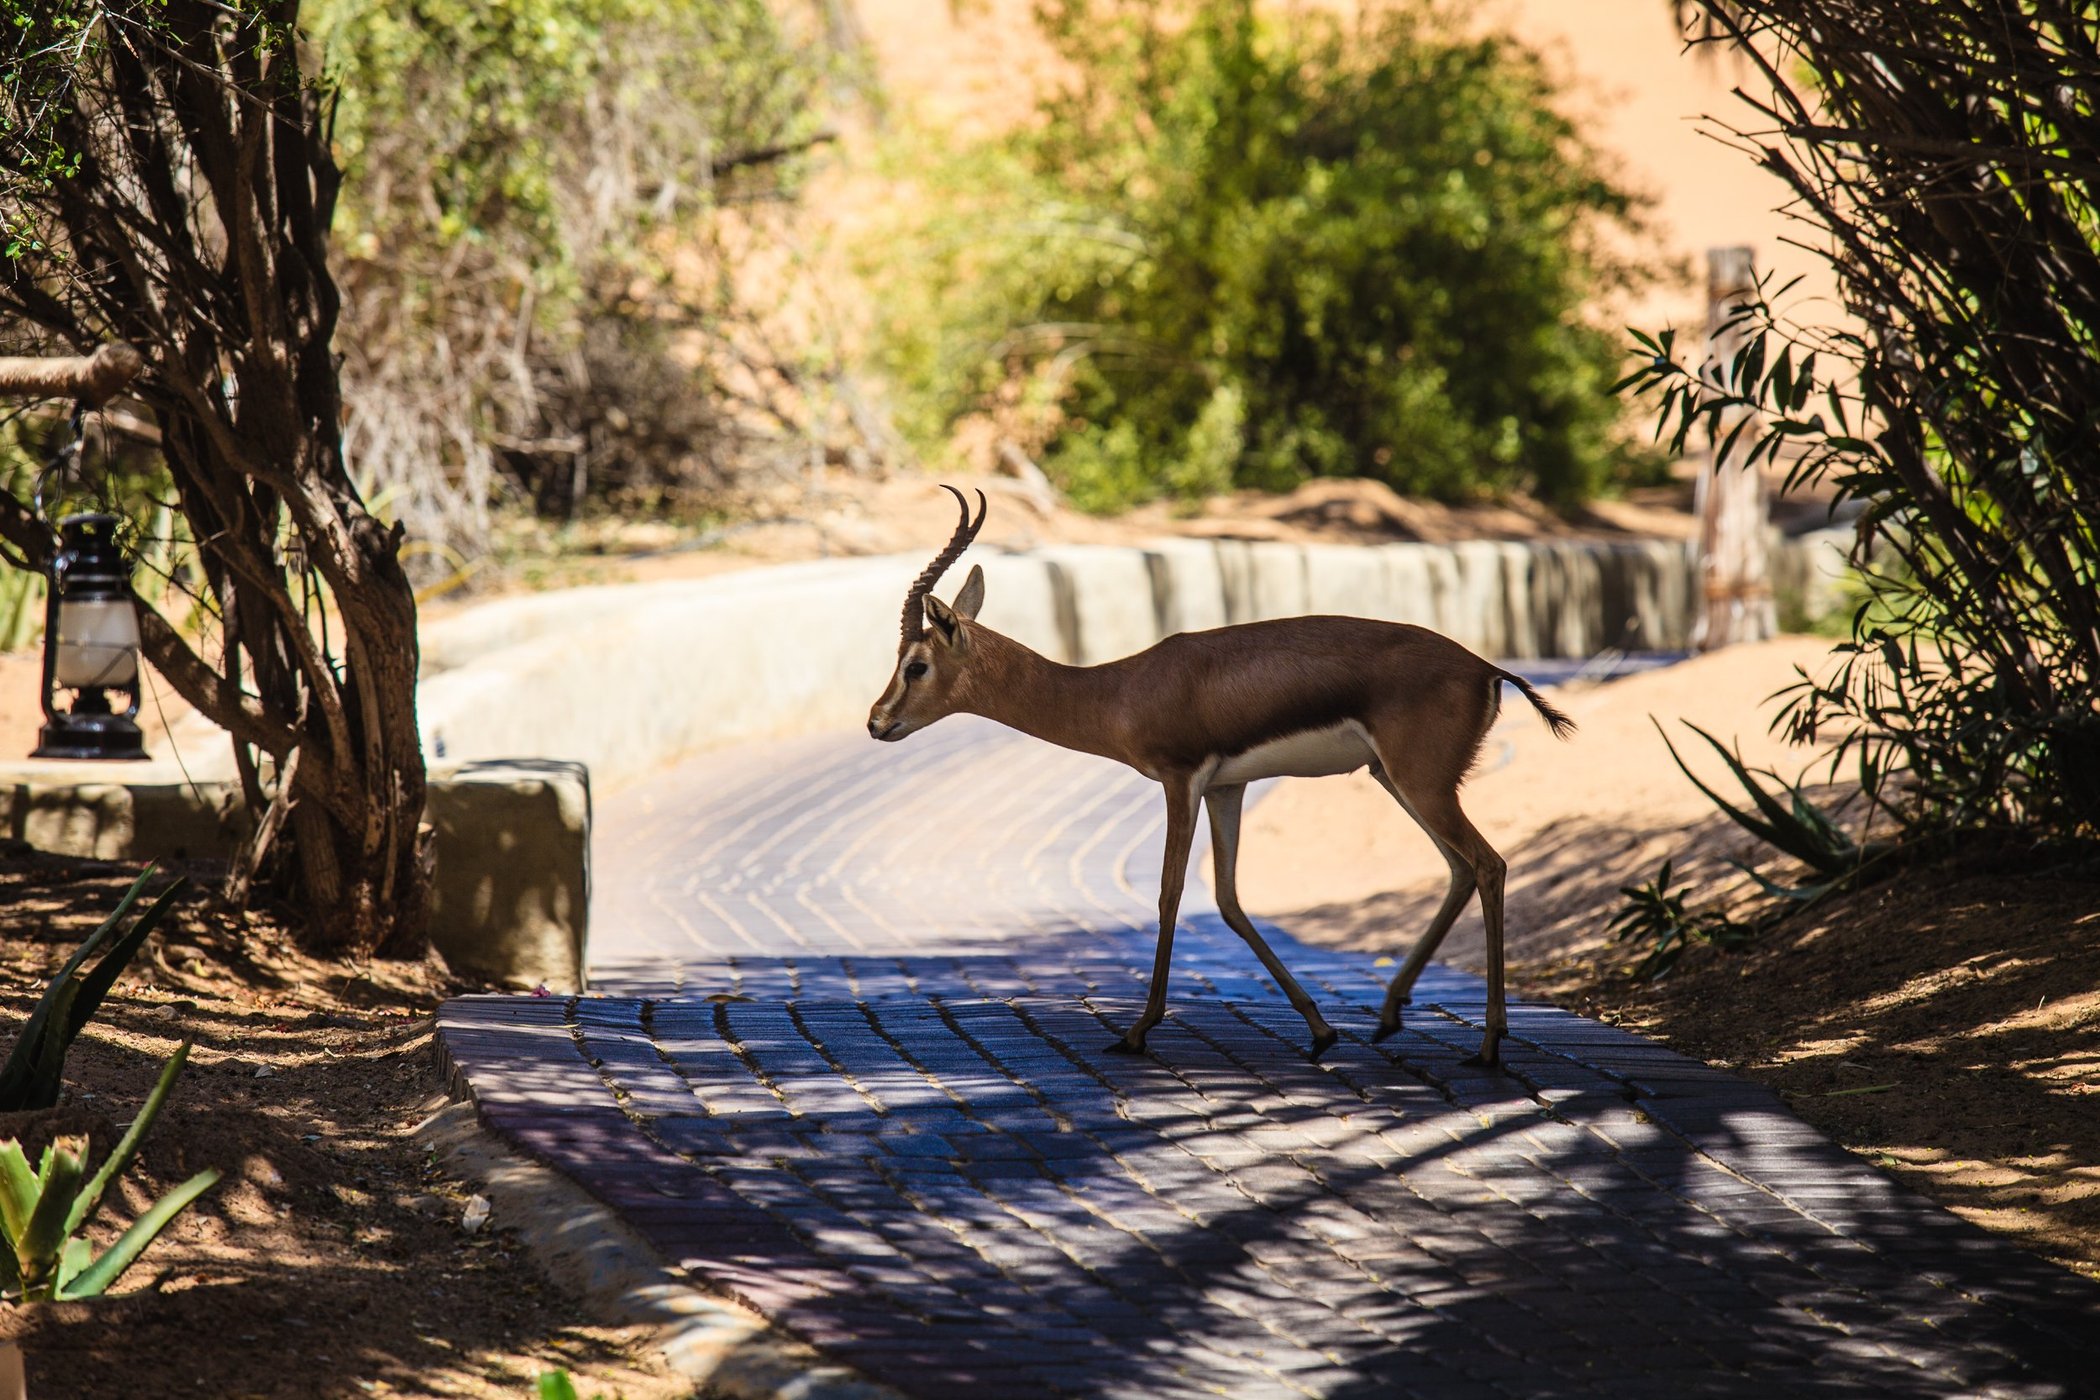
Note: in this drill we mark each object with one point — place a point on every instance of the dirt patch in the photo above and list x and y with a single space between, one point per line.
330 1260
1944 1025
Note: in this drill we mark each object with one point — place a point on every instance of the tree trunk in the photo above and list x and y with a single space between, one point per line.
1735 571
192 220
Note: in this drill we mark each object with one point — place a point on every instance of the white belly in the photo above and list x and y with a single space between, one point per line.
1315 753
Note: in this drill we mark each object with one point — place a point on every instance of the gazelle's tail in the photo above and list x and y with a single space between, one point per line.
1561 725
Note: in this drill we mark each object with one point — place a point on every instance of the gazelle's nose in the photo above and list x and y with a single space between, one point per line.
874 726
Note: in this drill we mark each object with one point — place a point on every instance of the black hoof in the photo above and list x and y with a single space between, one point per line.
1124 1047
1482 1062
1323 1042
1384 1032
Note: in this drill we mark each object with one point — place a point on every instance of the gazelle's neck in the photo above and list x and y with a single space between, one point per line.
1074 707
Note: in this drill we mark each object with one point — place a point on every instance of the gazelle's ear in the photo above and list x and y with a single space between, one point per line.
971 598
947 627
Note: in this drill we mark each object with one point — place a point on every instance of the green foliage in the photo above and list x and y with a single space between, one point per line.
541 297
1793 823
465 128
558 1385
43 1211
1655 917
1958 412
31 1076
1249 246
1782 816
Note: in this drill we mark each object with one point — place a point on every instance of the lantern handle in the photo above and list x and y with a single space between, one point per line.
67 454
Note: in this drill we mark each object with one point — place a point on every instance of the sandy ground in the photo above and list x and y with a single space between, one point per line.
1337 860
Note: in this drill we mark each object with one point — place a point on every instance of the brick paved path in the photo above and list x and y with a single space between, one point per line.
845 1060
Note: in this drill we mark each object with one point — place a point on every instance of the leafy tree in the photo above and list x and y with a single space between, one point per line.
1246 245
1945 152
539 261
165 179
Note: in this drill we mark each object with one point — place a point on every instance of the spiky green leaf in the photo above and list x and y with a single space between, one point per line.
58 1176
98 1277
95 984
90 1197
18 1191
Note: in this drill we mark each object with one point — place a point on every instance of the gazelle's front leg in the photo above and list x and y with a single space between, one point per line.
1182 791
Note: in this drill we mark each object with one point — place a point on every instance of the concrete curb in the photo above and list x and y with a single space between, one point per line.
725 1350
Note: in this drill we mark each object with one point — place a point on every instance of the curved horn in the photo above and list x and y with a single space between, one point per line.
965 531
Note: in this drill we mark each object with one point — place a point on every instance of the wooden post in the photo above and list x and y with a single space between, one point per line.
1734 564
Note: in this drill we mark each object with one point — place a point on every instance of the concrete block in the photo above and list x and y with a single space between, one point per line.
1236 579
1277 579
1111 592
1480 615
511 852
1421 580
1564 599
510 886
663 671
1022 600
102 819
1188 585
1347 581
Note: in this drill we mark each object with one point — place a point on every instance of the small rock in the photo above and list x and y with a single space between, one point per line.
265 1072
476 1214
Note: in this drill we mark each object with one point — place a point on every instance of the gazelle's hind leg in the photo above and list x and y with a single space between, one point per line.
1455 897
1431 797
1224 805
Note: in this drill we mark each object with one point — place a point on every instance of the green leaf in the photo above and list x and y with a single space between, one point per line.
75 1256
47 1050
30 1077
90 1197
39 1246
99 1276
18 1191
1756 828
556 1385
1786 831
96 984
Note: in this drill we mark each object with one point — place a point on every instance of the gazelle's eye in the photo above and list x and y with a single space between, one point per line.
915 670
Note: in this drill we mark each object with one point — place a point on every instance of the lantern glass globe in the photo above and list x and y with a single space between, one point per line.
98 643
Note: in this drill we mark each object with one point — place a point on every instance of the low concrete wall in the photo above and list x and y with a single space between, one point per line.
627 679
510 881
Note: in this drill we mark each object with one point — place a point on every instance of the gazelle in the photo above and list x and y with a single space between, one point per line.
1204 714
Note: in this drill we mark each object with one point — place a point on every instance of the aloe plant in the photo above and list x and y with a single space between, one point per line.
30 1079
1795 826
42 1212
